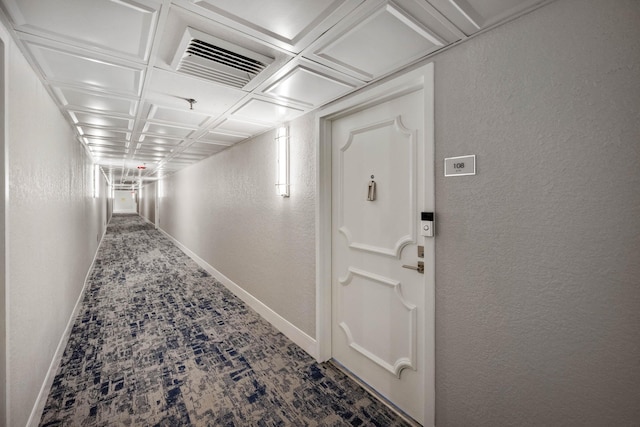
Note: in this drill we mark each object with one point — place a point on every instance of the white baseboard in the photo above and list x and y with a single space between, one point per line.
299 337
41 401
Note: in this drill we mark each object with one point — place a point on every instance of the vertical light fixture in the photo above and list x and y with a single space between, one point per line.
160 188
96 181
282 161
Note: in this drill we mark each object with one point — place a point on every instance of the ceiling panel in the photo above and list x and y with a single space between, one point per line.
269 111
101 120
75 98
473 15
104 133
242 127
94 142
111 150
86 70
172 90
309 84
161 149
167 130
144 157
136 21
147 161
161 141
111 160
174 115
142 151
290 24
386 38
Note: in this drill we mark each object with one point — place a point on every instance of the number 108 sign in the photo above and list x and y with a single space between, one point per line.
460 166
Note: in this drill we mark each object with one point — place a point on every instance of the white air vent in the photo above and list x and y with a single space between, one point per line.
210 58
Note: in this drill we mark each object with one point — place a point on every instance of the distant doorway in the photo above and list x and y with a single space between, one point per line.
124 201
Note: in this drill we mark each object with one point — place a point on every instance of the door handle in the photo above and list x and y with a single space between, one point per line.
419 268
371 193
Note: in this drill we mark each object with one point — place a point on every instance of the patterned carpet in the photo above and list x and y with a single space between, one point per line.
159 342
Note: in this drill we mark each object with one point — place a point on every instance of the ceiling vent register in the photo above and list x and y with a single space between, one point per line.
210 58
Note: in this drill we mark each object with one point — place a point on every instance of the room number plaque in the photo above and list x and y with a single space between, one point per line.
459 166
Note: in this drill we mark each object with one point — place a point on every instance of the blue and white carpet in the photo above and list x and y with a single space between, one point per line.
159 342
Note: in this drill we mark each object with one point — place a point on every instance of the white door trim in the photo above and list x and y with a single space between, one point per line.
421 78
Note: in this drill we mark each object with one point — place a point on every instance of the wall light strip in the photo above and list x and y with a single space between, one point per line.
96 181
282 161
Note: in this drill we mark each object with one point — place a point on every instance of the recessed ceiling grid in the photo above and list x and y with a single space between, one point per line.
134 77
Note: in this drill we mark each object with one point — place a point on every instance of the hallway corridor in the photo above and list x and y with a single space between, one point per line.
158 341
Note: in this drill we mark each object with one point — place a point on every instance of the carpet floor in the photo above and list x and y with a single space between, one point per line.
159 342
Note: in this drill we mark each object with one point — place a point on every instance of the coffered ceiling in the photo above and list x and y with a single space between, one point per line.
162 84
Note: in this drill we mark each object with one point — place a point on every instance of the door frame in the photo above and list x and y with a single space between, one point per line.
420 78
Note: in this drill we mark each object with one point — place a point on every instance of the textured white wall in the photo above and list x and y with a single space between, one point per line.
538 256
3 318
148 202
53 227
225 209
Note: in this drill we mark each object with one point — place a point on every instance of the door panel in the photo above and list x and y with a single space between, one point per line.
377 305
373 306
390 164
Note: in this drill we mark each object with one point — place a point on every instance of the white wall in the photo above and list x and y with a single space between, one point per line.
53 228
148 202
538 256
3 317
226 210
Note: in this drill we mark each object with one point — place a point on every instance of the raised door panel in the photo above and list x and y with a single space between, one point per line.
380 154
373 306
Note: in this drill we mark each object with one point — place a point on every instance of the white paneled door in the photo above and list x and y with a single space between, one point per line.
378 299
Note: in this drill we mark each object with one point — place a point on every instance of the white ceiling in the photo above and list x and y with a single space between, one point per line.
112 65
